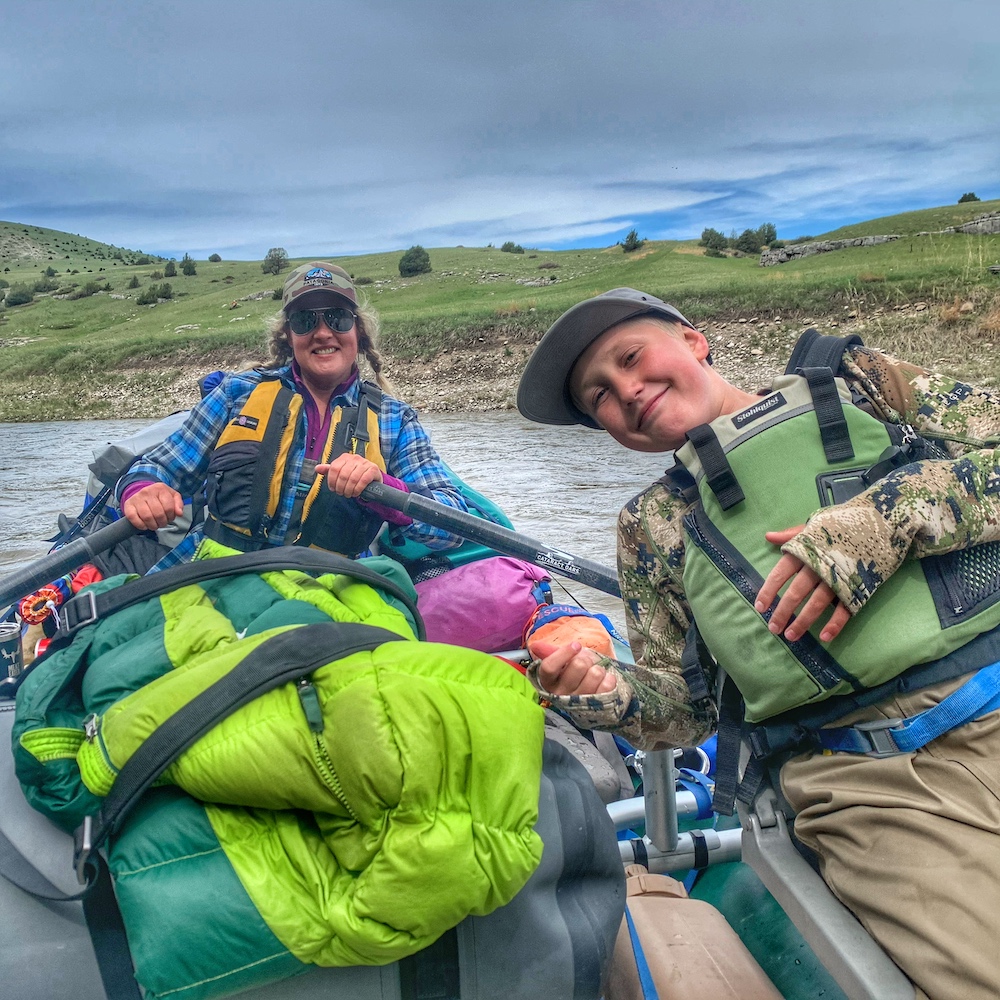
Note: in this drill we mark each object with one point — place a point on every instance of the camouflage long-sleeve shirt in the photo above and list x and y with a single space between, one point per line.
922 509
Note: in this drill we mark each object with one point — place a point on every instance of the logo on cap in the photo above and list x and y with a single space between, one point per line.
317 274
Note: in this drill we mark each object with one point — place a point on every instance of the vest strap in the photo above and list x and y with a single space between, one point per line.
718 472
829 414
890 737
269 446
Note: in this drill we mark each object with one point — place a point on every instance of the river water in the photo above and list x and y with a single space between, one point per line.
562 486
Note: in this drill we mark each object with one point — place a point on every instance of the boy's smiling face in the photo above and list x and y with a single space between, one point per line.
647 383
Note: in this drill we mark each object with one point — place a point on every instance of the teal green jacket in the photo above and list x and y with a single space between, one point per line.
363 812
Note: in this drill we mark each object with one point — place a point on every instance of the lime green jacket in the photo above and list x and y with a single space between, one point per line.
363 811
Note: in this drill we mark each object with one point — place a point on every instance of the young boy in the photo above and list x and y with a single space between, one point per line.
909 840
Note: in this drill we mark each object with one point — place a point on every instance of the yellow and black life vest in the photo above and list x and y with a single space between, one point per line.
248 469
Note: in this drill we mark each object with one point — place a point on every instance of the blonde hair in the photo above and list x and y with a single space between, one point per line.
367 326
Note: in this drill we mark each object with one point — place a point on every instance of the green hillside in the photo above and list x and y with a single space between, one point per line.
79 347
926 220
24 246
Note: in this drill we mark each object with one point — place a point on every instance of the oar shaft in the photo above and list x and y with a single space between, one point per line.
494 536
26 581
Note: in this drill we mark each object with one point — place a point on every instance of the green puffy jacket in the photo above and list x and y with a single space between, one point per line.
353 817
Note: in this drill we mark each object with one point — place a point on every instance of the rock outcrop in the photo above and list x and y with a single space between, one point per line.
793 251
987 223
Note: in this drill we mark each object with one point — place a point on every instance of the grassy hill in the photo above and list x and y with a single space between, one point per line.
24 246
103 354
926 220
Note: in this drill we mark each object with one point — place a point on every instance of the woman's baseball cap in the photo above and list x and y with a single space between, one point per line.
543 393
316 284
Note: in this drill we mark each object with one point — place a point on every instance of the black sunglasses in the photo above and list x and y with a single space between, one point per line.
340 319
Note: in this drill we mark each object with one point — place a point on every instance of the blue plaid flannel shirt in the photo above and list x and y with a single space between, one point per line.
181 461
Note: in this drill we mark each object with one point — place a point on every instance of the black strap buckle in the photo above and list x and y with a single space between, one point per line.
877 733
78 612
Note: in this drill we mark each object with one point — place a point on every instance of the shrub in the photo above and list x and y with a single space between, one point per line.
156 276
511 247
631 242
277 293
45 285
713 252
4 283
748 241
85 291
776 244
154 293
713 240
766 234
275 261
50 272
363 280
133 282
107 286
19 295
415 261
143 260
215 259
170 270
187 266
968 196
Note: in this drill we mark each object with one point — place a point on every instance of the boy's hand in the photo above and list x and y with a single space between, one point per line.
349 474
805 589
571 669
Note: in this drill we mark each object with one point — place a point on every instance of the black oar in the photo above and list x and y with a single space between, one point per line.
494 536
26 581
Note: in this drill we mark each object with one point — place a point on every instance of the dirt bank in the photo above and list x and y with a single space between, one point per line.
749 351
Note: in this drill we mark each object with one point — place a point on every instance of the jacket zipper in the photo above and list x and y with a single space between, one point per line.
309 698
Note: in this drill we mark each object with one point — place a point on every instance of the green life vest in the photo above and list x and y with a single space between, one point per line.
769 467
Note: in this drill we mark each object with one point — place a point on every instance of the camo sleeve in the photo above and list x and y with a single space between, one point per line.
927 508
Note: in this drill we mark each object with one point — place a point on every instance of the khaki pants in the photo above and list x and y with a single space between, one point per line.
911 844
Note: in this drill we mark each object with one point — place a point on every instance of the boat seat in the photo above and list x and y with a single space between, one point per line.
848 952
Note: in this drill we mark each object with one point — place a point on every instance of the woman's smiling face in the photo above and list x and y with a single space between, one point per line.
647 383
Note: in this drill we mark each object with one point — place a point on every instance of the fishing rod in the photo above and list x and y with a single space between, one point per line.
494 536
26 581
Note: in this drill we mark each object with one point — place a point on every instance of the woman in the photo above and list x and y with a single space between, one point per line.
285 452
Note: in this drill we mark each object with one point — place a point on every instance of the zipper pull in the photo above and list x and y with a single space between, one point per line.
90 725
310 705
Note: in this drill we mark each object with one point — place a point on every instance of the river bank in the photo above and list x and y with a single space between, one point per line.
483 375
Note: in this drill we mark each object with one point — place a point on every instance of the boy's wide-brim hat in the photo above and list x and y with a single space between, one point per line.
316 284
543 393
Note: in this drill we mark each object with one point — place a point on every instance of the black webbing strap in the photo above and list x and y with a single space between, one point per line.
718 472
107 935
816 350
280 659
87 607
692 659
829 409
267 459
700 844
727 751
369 395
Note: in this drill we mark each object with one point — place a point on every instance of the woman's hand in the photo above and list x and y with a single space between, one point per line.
349 474
571 669
152 507
805 589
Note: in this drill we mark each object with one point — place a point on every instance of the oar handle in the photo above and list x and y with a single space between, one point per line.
26 581
494 536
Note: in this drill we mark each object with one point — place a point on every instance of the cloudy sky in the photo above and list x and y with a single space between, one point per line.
345 127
